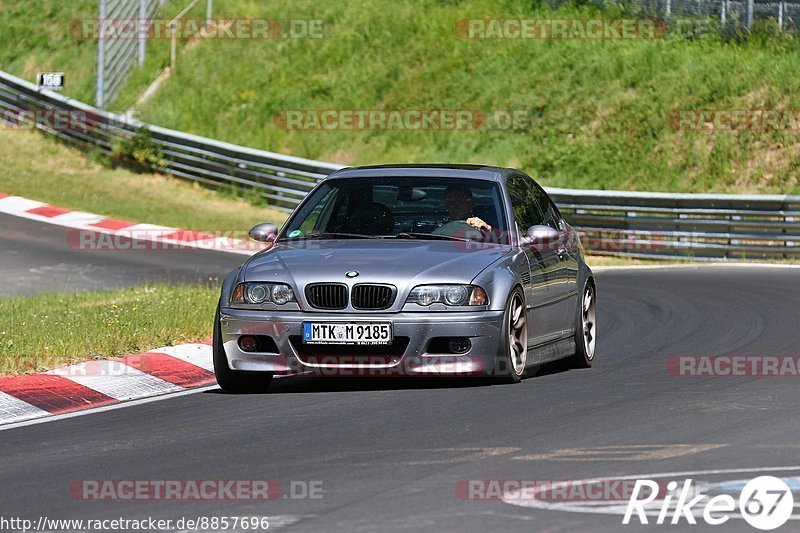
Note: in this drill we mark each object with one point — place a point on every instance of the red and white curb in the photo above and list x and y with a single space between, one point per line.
102 382
124 229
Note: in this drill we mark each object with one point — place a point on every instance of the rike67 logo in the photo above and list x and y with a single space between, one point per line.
765 503
735 499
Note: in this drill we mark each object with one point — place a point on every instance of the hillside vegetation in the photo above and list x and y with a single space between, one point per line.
600 111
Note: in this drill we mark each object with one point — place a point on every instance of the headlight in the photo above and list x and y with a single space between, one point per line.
453 295
282 294
256 293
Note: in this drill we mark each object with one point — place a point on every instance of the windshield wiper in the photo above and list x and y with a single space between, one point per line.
323 234
426 236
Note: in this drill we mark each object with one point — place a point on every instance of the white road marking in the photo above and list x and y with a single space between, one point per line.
512 497
146 232
118 380
643 452
196 354
77 219
104 408
16 205
436 456
691 265
15 410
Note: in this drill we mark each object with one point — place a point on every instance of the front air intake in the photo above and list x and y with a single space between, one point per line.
373 297
330 296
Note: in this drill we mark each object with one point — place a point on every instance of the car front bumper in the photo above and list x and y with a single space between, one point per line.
481 327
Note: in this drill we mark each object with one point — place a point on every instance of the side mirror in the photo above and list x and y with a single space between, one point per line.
541 234
266 232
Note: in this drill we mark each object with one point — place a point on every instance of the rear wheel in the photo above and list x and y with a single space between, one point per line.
235 380
514 346
586 328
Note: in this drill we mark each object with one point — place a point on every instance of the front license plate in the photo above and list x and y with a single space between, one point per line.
347 333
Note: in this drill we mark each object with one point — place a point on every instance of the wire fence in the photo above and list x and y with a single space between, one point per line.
115 57
737 14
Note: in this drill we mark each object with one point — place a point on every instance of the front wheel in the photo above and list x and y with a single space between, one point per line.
235 380
586 328
514 341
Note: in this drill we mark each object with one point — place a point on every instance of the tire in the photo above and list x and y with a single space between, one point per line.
585 327
235 381
513 355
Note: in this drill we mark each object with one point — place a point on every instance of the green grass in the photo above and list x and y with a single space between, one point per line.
48 331
600 108
40 169
612 261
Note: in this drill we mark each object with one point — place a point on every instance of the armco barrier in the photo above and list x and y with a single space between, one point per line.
698 226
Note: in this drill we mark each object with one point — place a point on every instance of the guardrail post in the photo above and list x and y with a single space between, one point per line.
101 57
209 11
142 25
173 51
723 5
749 14
786 221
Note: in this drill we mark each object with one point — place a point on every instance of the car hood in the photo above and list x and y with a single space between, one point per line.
403 263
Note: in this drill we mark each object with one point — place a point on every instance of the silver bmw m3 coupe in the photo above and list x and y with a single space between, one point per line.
411 270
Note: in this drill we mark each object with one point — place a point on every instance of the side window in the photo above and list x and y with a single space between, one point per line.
523 203
551 216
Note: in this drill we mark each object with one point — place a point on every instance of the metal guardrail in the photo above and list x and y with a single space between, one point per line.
698 226
282 180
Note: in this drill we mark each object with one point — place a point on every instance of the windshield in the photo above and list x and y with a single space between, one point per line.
402 208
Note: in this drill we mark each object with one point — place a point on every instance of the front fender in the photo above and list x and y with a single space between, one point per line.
499 278
228 284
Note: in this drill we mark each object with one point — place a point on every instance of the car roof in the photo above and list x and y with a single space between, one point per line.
484 172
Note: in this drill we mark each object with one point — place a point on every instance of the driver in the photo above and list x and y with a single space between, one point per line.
460 207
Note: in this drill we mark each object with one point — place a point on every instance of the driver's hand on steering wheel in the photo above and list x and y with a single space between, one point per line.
479 224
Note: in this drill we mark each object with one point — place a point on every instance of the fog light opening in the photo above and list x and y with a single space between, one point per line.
459 345
248 343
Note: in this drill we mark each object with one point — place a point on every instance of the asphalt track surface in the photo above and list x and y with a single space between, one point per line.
37 257
389 453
